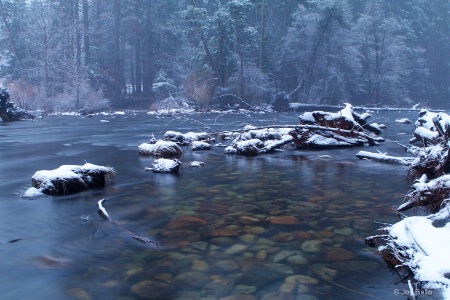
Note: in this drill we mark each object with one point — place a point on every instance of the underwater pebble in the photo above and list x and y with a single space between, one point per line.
236 249
283 220
312 245
151 290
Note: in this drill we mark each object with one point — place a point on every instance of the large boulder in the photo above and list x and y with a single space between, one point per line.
69 179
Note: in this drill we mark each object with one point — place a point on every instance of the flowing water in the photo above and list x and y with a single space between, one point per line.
288 225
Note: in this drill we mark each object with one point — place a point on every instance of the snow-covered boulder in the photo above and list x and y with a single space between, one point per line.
163 165
199 145
186 138
197 164
249 148
68 179
163 149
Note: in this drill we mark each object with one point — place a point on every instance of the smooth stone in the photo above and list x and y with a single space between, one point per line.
301 235
343 231
152 290
186 221
312 245
338 254
248 238
236 249
282 255
227 265
283 237
262 275
244 289
222 241
243 208
283 220
190 280
262 254
216 288
79 294
199 266
297 260
254 229
249 220
219 209
202 246
223 232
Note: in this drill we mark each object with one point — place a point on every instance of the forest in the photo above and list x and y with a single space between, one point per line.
94 54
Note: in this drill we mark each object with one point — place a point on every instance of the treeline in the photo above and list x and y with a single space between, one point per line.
89 54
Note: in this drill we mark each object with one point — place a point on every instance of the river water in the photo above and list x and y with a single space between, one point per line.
326 202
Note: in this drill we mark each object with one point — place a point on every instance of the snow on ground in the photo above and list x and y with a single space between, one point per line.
425 241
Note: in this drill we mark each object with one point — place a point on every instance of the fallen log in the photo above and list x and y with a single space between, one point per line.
380 157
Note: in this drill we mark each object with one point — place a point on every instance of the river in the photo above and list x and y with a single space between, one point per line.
60 248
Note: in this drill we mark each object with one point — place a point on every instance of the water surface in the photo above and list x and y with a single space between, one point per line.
289 225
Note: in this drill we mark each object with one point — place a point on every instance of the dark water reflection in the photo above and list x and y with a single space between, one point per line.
289 225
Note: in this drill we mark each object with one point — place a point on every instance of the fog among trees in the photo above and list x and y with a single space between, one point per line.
94 54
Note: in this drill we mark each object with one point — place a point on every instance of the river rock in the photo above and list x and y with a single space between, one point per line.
283 237
215 208
186 222
312 245
237 248
199 266
216 232
283 220
295 282
79 294
249 220
297 260
338 254
227 265
190 280
254 229
263 275
239 297
152 290
282 255
244 289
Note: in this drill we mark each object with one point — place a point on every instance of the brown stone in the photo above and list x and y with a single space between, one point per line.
219 209
338 254
186 221
283 220
301 235
326 233
223 232
151 290
249 220
282 237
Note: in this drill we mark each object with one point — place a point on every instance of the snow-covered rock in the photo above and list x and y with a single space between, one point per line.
186 138
163 165
163 149
69 179
403 121
196 164
199 145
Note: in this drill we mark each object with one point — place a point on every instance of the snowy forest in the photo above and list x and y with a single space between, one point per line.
94 54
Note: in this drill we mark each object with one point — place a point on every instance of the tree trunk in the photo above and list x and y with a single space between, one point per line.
10 37
87 47
261 43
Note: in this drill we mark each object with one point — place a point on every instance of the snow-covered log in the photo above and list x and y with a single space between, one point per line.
69 179
380 157
163 165
163 149
433 161
346 119
425 135
431 193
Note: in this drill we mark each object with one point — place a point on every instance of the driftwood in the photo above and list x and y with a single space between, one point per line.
139 238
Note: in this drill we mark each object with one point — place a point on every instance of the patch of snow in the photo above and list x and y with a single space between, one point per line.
325 142
104 121
425 246
403 121
196 164
33 192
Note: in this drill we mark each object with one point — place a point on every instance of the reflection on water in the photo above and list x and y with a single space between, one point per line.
285 226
